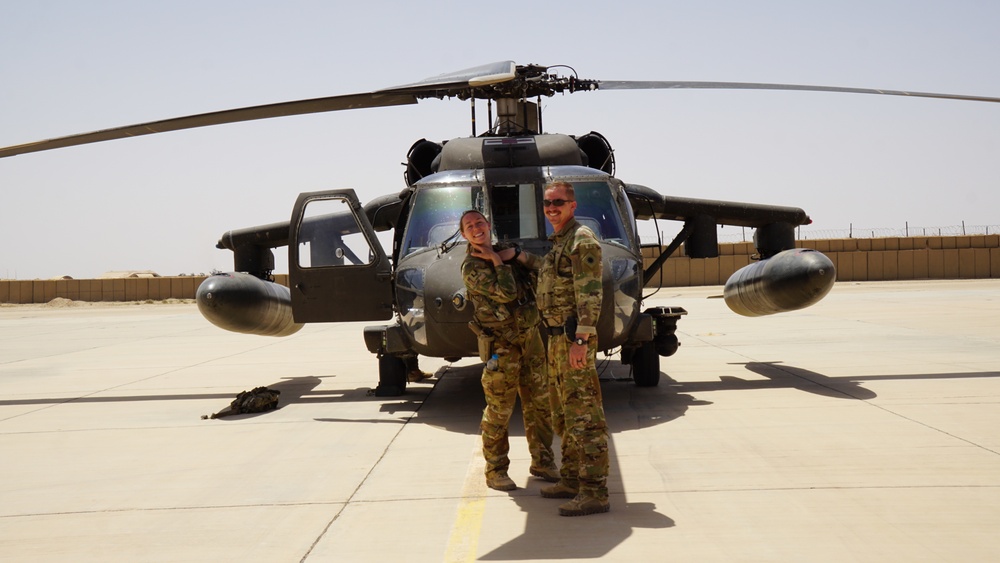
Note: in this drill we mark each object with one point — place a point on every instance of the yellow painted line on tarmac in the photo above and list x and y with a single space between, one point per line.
464 540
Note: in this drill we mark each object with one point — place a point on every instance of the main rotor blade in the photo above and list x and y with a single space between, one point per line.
283 109
478 76
493 81
667 85
442 85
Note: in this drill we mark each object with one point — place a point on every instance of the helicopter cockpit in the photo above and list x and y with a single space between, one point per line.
513 207
429 291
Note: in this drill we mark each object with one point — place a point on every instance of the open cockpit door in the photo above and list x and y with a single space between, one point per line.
336 267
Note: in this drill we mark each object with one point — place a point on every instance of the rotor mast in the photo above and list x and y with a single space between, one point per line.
516 116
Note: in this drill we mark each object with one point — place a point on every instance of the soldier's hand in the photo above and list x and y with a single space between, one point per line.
487 253
577 356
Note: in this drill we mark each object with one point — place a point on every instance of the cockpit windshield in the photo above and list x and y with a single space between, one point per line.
514 210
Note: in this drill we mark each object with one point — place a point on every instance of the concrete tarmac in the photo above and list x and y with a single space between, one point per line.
865 428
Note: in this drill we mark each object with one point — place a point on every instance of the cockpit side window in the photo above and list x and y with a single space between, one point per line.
435 215
596 208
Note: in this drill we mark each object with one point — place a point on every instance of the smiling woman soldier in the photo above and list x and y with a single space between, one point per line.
506 322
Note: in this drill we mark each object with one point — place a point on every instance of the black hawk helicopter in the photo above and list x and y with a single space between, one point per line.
338 270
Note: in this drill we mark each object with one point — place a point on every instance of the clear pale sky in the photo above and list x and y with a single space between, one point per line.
160 202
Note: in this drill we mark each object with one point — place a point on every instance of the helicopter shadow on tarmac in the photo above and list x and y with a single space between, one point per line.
453 401
457 402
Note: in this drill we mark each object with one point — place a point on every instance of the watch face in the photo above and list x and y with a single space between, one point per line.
581 341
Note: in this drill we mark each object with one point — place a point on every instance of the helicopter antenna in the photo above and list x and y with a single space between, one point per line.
573 70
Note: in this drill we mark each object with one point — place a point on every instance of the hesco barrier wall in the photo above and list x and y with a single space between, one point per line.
880 259
119 289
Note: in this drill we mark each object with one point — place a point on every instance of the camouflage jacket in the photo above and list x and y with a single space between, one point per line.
570 279
501 293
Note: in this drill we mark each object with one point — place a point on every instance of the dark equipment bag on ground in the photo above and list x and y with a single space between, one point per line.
259 399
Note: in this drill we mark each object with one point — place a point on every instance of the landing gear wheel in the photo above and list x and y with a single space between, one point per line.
391 376
646 366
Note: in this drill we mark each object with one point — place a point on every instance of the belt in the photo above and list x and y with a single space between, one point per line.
554 330
497 324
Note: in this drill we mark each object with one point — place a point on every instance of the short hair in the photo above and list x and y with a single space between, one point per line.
570 191
461 225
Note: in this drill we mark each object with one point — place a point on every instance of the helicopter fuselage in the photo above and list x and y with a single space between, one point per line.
339 270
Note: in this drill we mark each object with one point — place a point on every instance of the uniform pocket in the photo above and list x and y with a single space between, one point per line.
485 342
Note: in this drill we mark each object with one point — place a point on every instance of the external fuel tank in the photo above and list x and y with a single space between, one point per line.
790 280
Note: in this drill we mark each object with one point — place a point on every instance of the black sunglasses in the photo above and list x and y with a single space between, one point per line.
555 202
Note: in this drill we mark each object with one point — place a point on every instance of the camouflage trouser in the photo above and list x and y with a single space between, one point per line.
521 372
578 418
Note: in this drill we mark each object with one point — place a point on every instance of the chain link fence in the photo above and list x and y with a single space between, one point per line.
741 234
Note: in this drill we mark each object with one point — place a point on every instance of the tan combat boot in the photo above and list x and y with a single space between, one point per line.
583 505
559 490
500 482
550 473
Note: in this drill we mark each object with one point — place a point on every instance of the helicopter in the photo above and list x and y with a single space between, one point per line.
338 270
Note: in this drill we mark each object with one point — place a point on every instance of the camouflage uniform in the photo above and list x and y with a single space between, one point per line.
570 285
504 305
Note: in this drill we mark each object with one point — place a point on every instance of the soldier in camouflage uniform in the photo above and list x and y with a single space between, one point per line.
570 288
504 308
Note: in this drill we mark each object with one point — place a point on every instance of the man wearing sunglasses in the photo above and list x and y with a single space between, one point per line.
569 299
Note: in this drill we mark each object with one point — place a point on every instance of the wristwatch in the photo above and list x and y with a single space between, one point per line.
517 252
581 341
